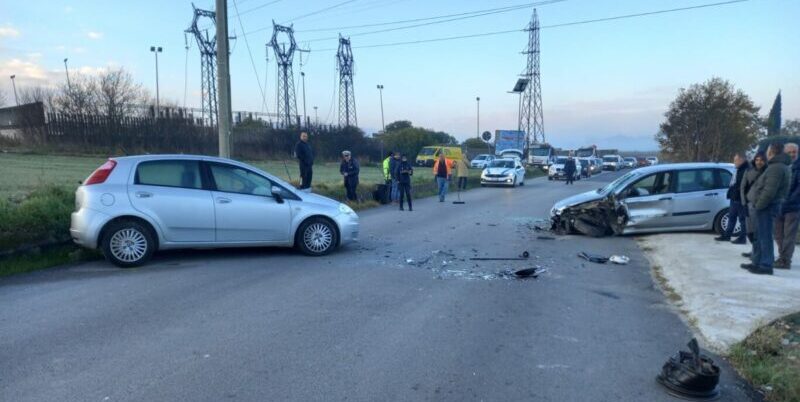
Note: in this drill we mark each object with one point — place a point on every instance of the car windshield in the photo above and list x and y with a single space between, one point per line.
561 160
616 184
651 158
427 151
503 164
609 158
541 151
584 152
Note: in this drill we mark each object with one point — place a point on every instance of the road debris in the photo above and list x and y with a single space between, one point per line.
593 257
545 237
619 259
445 264
524 256
690 375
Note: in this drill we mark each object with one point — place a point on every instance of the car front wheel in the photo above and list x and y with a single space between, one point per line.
128 244
722 221
317 236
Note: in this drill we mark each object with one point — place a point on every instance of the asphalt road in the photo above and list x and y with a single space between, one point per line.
402 315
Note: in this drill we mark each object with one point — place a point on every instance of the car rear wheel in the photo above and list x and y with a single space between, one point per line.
317 236
128 244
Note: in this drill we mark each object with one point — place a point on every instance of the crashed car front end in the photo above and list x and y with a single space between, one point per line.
596 218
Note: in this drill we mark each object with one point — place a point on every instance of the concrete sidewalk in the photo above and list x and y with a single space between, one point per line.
721 301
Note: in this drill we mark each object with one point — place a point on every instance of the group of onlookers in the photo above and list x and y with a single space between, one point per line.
765 200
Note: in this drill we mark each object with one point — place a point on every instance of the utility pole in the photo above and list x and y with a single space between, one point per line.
66 69
305 119
383 123
223 79
156 51
316 118
347 100
13 84
478 128
530 118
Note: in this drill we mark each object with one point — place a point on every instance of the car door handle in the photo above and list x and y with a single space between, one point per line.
143 194
665 199
711 194
223 200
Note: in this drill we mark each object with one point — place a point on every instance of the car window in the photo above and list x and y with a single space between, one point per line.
233 179
724 178
446 152
169 173
656 183
694 180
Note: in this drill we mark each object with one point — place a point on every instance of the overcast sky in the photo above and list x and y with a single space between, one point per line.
605 83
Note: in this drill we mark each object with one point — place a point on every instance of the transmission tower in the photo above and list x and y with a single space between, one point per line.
287 102
208 63
531 119
347 100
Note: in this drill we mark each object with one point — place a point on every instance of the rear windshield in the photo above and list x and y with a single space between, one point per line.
427 151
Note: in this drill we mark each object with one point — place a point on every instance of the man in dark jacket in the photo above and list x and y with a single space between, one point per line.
736 211
349 169
570 168
305 156
768 193
404 173
787 221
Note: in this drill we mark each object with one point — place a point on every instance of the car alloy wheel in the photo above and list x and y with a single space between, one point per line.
318 237
128 245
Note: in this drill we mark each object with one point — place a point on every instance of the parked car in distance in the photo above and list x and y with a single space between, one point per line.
652 160
504 172
641 161
427 155
481 161
132 206
585 167
630 162
597 165
556 171
660 198
612 162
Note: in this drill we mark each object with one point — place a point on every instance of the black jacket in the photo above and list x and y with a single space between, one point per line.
734 191
569 166
404 172
792 203
304 153
352 169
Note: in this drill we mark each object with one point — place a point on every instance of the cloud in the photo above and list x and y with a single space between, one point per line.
94 35
8 32
29 72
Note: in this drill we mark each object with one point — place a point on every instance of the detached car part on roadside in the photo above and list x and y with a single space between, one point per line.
132 206
658 198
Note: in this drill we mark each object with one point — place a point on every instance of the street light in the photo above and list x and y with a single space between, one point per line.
383 123
316 117
13 84
156 51
66 69
478 129
305 119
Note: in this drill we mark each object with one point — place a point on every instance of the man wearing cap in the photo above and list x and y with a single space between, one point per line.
349 169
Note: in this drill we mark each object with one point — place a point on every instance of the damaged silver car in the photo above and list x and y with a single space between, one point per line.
658 198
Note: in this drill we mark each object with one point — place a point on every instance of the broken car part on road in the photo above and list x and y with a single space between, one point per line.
603 217
690 375
524 256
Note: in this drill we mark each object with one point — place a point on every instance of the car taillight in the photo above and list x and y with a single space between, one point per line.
101 174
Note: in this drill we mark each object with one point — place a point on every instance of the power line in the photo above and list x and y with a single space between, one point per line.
444 21
318 11
249 52
482 34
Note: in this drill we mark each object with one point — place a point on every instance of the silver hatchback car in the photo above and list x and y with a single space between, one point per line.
657 198
132 206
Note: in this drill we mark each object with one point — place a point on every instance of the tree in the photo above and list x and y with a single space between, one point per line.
398 125
37 93
774 119
117 94
79 97
791 128
708 122
410 140
472 143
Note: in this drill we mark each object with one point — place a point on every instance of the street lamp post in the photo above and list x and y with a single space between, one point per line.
305 119
156 50
316 117
478 128
66 69
14 84
383 123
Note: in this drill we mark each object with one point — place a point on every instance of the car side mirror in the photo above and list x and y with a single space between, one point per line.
277 193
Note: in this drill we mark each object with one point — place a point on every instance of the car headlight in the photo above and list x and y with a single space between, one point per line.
345 209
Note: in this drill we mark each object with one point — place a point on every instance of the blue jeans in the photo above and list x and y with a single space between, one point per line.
442 183
395 194
736 211
764 252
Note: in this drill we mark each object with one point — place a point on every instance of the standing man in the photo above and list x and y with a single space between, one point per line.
442 171
305 157
570 168
736 210
462 172
789 216
769 192
349 169
387 178
405 171
394 165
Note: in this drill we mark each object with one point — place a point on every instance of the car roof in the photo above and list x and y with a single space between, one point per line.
684 166
155 157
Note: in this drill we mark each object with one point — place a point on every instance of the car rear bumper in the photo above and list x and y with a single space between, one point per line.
85 227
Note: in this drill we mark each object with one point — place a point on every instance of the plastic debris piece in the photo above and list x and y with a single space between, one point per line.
593 257
690 375
545 237
619 259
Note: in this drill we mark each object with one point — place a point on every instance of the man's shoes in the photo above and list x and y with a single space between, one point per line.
722 238
781 264
740 240
761 271
747 255
748 266
401 208
409 209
